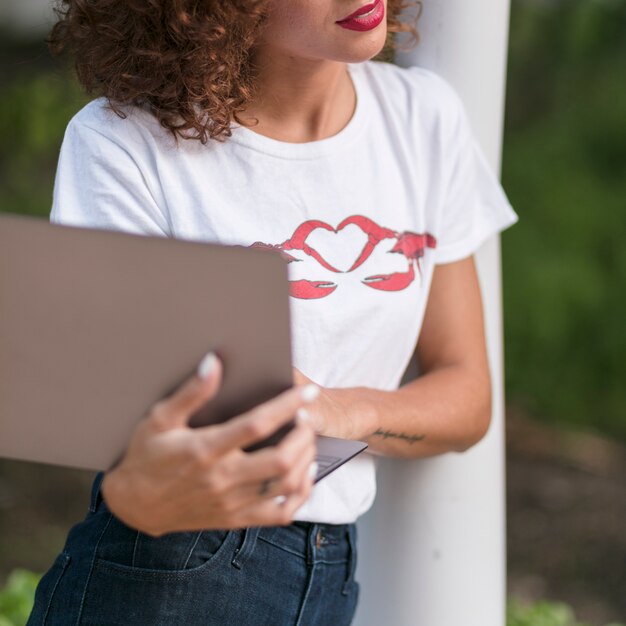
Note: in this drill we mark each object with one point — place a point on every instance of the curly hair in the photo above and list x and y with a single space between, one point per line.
187 61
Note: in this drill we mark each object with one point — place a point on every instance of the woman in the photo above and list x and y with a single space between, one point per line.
266 123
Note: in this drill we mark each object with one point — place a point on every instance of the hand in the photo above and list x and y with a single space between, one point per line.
175 478
339 413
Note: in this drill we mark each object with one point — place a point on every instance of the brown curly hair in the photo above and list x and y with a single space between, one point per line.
187 61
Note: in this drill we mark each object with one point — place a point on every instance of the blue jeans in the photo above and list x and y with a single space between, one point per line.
109 574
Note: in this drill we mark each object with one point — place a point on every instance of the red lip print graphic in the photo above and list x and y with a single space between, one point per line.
411 245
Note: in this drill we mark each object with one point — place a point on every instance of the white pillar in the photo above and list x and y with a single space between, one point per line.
432 551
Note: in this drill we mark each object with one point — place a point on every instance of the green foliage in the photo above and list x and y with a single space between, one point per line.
565 172
34 112
16 598
541 614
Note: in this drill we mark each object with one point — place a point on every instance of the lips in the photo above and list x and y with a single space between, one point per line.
365 18
366 9
374 232
410 245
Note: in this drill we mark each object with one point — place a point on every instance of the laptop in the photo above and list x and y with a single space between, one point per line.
97 325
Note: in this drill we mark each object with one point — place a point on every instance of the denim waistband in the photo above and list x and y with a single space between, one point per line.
315 542
310 540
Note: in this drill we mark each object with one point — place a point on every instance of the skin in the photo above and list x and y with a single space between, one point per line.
173 477
304 90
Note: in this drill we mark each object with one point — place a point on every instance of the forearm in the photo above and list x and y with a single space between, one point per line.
447 409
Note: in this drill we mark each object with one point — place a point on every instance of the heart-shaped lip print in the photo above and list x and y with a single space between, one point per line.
375 234
339 248
411 245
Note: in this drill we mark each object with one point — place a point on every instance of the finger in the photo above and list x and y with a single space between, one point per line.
242 480
258 423
231 498
278 491
175 410
272 512
277 461
299 378
293 481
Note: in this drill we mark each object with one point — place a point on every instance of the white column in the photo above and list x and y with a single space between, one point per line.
432 551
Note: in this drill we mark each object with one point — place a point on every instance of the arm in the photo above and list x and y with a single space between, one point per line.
102 179
448 408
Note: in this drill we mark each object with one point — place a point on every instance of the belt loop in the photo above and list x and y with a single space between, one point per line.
351 532
96 496
310 543
244 551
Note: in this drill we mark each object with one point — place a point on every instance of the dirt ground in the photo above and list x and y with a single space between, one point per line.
566 517
566 505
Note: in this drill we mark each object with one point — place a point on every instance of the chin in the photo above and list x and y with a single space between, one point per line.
363 50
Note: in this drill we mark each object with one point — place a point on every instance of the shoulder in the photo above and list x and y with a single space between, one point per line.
414 93
129 127
428 87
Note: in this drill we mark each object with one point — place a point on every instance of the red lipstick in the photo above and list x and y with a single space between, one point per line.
365 18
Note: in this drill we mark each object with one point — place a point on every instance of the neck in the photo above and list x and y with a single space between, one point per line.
300 100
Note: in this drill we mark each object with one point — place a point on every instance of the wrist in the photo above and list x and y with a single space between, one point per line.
363 411
113 490
109 489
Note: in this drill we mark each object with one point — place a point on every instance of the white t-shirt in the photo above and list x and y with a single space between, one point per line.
364 216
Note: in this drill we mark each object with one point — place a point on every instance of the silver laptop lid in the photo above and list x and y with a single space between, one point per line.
95 326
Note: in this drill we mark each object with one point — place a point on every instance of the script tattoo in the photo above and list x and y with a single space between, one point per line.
386 434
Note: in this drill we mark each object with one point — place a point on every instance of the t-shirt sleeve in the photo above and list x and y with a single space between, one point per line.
474 206
99 184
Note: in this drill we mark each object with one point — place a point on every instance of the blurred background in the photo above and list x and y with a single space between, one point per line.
564 267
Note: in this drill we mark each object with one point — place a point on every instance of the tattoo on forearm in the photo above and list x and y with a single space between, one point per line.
386 434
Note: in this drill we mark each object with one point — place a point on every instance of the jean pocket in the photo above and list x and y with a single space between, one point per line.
164 585
134 553
46 589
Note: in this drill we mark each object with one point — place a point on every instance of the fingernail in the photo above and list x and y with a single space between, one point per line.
207 365
280 499
303 415
313 470
310 392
